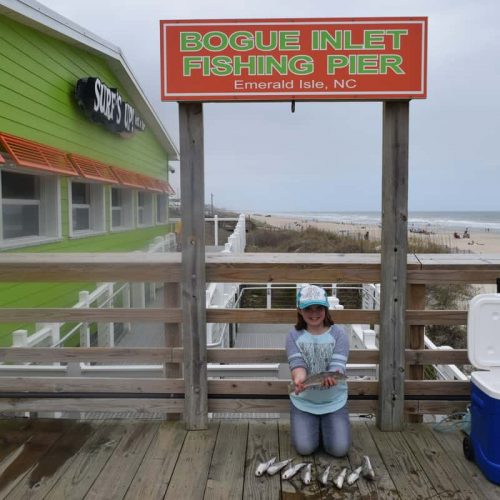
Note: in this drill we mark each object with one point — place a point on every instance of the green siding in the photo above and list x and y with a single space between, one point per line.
37 83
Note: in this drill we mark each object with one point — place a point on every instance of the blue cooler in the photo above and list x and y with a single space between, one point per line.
483 339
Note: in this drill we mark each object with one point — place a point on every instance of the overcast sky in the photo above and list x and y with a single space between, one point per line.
327 156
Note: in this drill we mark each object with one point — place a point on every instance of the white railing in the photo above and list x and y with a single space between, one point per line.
224 295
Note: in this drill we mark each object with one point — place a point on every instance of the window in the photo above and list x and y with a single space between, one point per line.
144 208
161 208
87 208
121 209
29 208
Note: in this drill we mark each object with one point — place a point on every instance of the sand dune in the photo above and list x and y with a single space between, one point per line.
479 241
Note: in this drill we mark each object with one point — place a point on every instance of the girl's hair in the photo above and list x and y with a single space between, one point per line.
302 325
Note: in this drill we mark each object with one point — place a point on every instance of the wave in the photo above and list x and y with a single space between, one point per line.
453 221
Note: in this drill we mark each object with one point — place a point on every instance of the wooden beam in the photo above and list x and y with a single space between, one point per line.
173 336
105 355
193 264
174 355
287 316
415 337
89 267
390 416
119 315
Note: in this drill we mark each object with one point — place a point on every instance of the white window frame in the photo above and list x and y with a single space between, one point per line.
126 209
49 215
146 211
97 216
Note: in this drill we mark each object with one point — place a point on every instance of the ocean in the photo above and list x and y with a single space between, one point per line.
450 221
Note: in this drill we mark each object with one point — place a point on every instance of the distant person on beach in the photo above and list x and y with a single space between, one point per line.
319 414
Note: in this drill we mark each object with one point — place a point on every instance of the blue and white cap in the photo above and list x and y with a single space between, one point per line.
309 295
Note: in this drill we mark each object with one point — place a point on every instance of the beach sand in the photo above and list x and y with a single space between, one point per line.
479 242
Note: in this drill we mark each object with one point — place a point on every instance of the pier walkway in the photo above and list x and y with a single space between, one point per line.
64 459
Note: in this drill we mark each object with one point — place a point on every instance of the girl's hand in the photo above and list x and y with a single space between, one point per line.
329 382
298 377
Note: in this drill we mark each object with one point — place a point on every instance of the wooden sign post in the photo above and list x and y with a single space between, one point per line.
194 327
390 416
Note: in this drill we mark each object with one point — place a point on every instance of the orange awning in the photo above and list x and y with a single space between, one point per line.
93 169
127 178
151 183
31 154
2 159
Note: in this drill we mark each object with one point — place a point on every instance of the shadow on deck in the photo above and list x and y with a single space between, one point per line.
149 459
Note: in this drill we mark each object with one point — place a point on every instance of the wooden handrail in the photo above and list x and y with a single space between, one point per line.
245 268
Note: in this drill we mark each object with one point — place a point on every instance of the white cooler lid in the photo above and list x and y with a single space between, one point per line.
483 331
488 382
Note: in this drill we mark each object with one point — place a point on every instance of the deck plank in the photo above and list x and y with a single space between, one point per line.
88 463
116 476
225 477
51 467
262 446
363 444
469 471
435 462
404 469
13 433
69 460
155 472
191 471
26 457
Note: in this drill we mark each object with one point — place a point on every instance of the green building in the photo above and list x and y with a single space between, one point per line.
83 156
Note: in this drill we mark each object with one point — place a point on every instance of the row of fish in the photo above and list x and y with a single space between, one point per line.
271 467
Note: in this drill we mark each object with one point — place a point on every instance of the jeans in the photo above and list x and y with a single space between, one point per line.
334 429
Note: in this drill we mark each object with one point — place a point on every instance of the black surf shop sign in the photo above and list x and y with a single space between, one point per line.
102 104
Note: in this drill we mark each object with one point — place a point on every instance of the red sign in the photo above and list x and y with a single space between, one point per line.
294 59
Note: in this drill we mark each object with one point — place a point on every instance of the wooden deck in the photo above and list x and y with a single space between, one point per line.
64 459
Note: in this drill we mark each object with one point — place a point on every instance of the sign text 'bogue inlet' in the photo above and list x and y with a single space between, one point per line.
294 59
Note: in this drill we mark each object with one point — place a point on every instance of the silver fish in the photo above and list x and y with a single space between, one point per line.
323 479
368 471
263 466
306 474
292 470
339 480
354 475
278 466
317 380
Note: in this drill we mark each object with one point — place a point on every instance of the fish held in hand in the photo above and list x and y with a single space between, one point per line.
291 471
354 475
368 471
274 468
339 480
323 478
317 380
263 466
306 474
